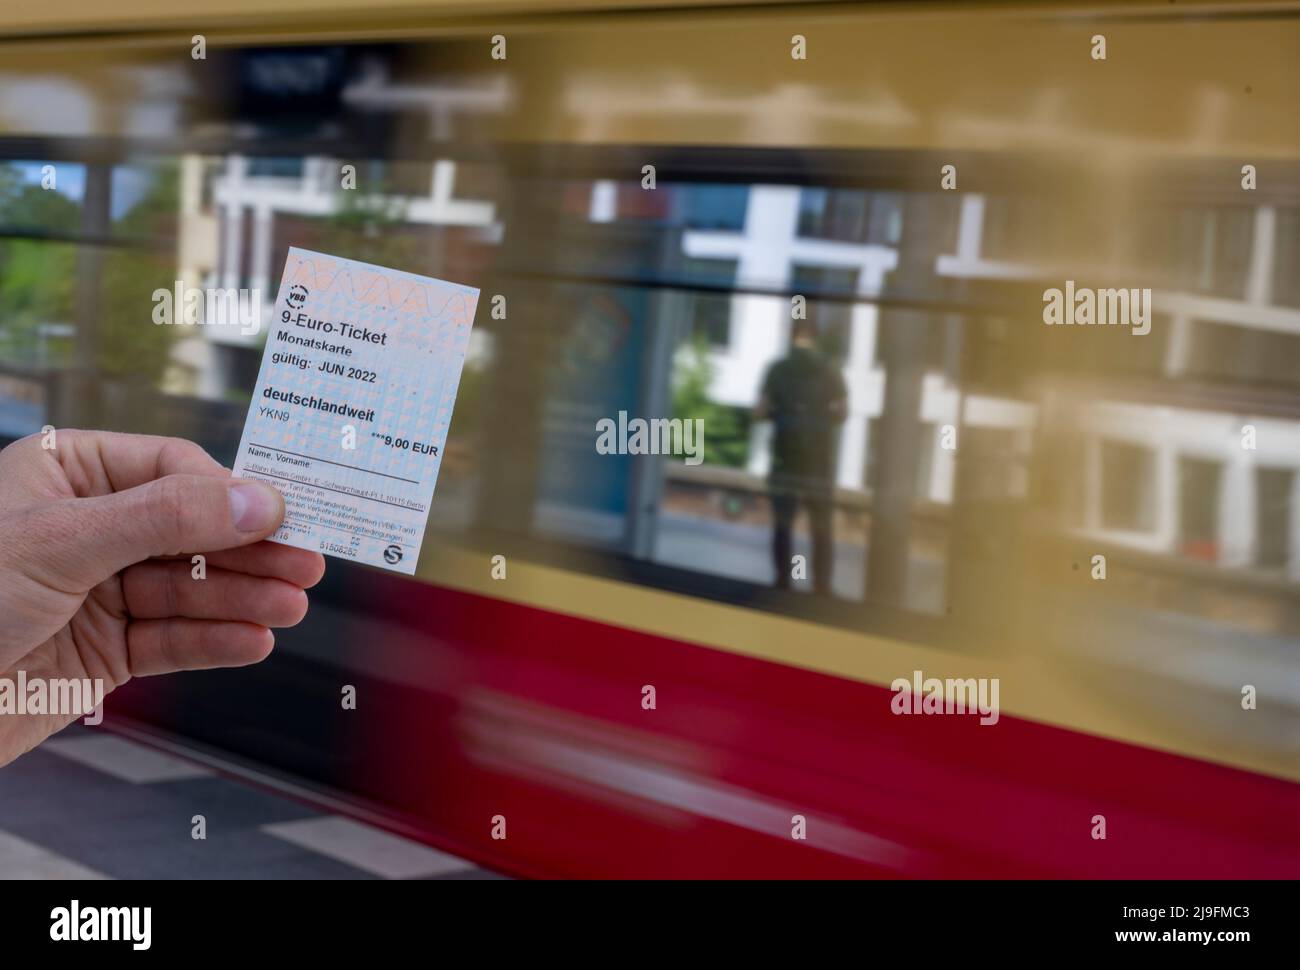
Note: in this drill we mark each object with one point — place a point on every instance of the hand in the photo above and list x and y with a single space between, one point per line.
96 540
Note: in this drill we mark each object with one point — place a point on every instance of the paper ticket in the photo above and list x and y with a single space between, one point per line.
350 412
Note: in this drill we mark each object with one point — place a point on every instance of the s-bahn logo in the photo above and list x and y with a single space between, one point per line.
297 296
393 555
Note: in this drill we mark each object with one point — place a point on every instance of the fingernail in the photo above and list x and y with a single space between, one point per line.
254 507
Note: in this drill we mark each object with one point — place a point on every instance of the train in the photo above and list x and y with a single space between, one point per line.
1079 544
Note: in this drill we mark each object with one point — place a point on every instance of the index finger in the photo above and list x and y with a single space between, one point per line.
114 462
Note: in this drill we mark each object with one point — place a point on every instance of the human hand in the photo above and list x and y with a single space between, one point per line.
96 539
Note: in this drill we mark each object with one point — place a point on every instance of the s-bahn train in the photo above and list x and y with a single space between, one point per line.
1077 541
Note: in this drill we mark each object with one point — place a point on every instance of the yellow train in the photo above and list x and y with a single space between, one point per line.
1100 520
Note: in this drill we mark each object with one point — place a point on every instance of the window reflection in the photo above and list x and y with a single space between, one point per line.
855 448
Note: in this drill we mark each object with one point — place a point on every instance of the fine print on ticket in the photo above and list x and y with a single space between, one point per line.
350 412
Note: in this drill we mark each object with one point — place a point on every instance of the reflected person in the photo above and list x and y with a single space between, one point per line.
805 398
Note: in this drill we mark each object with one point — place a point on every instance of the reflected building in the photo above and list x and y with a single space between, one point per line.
1167 480
1185 481
237 213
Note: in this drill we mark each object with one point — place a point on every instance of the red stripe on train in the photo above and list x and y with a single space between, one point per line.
539 724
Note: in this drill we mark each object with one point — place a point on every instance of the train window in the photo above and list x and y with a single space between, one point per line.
1128 496
1012 230
36 329
830 317
1274 488
714 206
1285 280
850 215
1229 353
286 168
712 311
40 196
1199 490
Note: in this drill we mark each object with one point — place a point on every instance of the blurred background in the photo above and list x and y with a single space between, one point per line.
962 554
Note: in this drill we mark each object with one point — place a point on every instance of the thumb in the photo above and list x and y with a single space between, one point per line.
86 540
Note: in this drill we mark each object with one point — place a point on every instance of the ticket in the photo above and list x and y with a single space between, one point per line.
350 412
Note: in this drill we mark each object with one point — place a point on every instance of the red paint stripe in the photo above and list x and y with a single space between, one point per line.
732 732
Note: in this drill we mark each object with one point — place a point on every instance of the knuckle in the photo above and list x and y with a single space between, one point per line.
176 451
175 510
23 449
47 542
27 442
171 590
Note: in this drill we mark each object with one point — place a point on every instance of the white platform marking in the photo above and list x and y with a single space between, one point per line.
20 859
370 849
124 759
